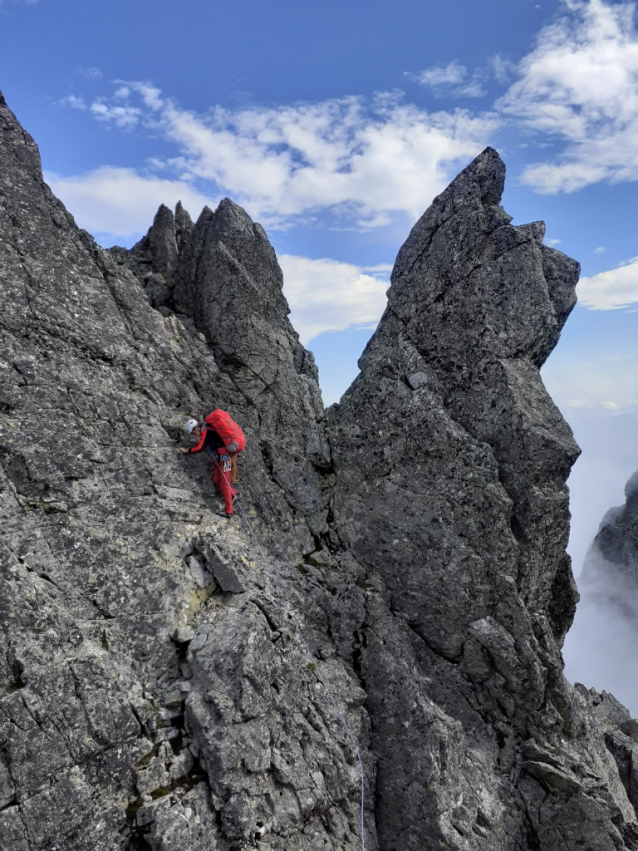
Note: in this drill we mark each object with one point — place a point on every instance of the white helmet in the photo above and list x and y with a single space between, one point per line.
190 425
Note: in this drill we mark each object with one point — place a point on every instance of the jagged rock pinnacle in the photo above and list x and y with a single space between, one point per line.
154 691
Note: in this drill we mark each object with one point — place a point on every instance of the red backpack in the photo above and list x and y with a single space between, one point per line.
226 428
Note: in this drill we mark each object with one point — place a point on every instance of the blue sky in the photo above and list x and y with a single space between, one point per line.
335 124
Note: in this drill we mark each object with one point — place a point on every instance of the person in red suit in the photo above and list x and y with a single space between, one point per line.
221 437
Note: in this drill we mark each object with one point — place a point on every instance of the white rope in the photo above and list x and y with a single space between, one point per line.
310 656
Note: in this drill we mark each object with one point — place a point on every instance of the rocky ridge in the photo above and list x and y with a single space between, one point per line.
153 690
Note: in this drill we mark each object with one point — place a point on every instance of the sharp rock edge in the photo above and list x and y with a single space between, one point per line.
153 694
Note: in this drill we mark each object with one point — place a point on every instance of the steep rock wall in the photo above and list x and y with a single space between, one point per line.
451 462
223 274
153 689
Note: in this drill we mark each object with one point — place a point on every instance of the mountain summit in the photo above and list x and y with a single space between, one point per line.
155 690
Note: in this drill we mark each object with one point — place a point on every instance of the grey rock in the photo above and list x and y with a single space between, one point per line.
451 462
154 257
229 281
223 279
416 536
194 828
183 226
200 576
160 244
226 575
102 521
184 634
198 641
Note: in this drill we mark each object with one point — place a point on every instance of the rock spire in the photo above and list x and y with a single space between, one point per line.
153 689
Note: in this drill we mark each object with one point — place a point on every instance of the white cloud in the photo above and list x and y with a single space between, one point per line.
610 290
441 80
553 241
502 68
363 161
121 203
598 372
474 88
92 73
580 85
602 376
599 250
73 101
326 295
435 76
121 116
381 267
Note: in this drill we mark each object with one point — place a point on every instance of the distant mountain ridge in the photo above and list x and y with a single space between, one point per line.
610 571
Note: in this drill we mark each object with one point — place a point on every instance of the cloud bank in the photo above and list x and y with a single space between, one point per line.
605 383
364 160
358 163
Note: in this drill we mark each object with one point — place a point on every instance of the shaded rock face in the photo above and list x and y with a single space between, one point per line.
229 280
155 257
154 692
475 307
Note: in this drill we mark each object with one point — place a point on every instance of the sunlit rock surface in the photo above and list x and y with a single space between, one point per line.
154 691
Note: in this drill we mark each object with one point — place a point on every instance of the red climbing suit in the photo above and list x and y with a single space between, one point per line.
220 431
226 428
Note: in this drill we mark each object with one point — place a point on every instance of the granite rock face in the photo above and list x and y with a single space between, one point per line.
222 273
154 690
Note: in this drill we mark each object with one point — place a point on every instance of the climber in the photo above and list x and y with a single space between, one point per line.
222 439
